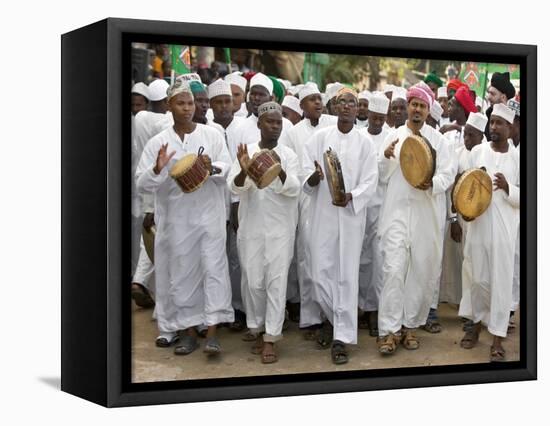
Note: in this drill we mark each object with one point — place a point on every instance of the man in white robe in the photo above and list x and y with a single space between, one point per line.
337 229
238 92
261 91
312 105
490 246
227 124
362 119
370 268
457 228
191 271
265 238
411 227
443 100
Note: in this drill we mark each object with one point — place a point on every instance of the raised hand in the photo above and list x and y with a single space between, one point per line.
501 183
317 176
242 156
163 158
388 153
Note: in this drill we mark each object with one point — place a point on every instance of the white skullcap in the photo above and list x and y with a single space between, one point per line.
332 89
514 106
293 103
141 89
389 88
436 110
179 86
218 88
285 83
442 92
379 103
399 93
294 90
365 94
479 101
157 90
262 80
503 111
191 76
477 120
236 79
310 88
269 107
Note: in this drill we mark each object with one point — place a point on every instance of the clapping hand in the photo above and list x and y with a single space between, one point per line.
163 158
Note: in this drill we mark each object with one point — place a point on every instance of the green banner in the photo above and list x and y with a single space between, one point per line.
477 75
181 59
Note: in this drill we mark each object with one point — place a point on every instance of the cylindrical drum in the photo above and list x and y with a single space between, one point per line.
263 168
190 172
149 241
335 179
417 159
472 193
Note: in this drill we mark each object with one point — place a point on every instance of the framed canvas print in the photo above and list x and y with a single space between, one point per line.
254 212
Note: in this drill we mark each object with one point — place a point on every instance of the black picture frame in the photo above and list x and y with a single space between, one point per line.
95 213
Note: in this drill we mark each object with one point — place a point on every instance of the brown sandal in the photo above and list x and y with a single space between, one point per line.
409 340
498 355
387 344
470 339
269 357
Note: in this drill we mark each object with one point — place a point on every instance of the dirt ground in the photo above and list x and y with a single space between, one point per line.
297 355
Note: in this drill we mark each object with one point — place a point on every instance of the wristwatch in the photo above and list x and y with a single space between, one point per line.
453 219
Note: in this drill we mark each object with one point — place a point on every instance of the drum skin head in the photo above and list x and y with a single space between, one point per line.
270 174
182 165
472 193
149 242
335 179
416 159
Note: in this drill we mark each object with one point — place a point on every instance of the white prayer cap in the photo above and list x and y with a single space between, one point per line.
293 103
141 89
179 86
379 103
310 88
218 88
332 89
285 83
399 93
236 79
442 92
436 110
389 88
269 107
157 90
262 80
365 94
514 106
294 90
191 76
503 111
477 120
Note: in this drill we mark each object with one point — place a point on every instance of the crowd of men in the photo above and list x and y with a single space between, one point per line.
381 259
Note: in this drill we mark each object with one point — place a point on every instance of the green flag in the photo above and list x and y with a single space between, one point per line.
477 75
181 59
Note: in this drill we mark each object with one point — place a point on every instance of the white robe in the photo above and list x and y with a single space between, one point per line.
362 124
265 239
242 112
299 280
249 132
191 272
371 279
411 226
336 233
230 135
490 247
